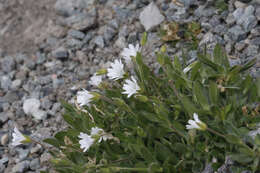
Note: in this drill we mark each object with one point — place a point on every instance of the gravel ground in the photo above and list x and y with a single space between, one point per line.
49 49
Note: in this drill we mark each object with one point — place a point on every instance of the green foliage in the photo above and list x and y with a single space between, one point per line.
148 129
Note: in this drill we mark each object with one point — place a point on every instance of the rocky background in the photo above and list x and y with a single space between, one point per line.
50 48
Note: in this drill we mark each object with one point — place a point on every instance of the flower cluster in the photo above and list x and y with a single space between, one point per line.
114 72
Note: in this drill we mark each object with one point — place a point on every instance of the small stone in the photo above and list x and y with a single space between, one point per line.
35 164
31 105
230 20
74 44
236 33
99 41
20 58
2 167
16 84
8 64
109 34
121 42
46 103
4 139
36 149
45 157
257 13
6 83
56 107
249 22
240 46
4 117
238 13
255 41
22 153
151 16
239 4
21 167
39 115
4 160
132 38
40 58
76 34
252 50
11 96
30 64
202 11
60 53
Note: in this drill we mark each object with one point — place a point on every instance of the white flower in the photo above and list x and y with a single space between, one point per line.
86 141
131 87
19 138
197 124
116 71
100 132
84 97
127 53
95 80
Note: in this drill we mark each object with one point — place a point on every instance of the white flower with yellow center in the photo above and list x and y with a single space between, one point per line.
130 52
95 131
95 80
19 138
196 123
86 141
116 71
130 87
84 97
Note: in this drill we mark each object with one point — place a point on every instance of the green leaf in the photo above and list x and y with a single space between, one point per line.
220 56
188 105
144 39
200 96
213 92
248 65
233 139
258 86
241 158
211 64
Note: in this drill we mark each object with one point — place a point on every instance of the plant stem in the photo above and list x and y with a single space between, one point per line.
215 132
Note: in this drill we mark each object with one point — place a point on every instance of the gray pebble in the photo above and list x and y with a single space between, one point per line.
11 96
99 41
8 64
6 83
21 167
76 34
237 33
60 53
4 139
255 41
35 164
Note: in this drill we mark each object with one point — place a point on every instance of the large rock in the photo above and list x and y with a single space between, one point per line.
70 7
82 21
151 16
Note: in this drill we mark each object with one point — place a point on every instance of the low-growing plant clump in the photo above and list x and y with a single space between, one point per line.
178 120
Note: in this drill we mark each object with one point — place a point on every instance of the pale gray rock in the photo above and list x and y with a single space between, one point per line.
31 105
151 16
21 167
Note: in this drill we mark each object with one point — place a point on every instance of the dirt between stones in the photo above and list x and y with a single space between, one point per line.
23 24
